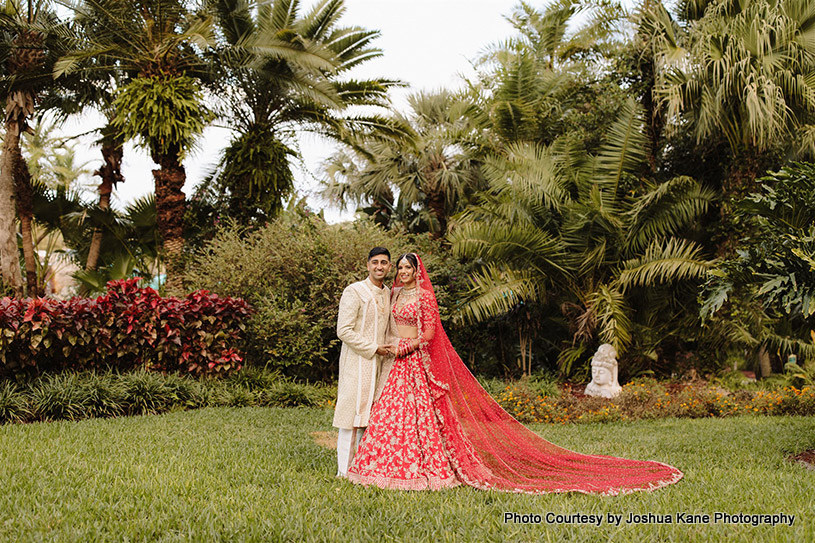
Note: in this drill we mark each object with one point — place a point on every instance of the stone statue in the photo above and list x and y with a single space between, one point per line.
604 373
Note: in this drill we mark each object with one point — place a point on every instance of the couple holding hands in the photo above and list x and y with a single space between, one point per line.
411 416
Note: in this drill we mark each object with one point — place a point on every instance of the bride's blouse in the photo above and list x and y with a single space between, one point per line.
406 312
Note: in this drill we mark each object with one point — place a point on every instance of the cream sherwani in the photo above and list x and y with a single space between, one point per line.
363 324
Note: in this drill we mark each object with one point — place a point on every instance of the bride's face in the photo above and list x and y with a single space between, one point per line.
406 273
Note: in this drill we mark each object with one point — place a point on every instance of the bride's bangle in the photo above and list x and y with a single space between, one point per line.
404 347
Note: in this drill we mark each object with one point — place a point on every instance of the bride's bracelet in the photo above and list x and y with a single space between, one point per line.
404 347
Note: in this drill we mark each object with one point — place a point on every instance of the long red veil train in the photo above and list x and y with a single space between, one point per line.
489 449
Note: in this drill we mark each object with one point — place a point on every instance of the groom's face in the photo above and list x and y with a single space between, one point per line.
378 267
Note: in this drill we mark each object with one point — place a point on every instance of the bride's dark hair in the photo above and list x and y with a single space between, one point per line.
410 257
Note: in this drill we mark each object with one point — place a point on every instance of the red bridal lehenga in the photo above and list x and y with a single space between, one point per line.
435 427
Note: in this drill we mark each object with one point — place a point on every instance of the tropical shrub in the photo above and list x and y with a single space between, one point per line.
590 238
763 297
13 403
90 394
293 272
128 327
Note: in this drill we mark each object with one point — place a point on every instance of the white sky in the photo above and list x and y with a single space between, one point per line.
426 43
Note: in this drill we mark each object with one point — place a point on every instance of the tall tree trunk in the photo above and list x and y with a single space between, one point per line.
436 206
9 255
654 112
25 210
435 199
383 209
764 362
654 120
111 174
170 207
25 56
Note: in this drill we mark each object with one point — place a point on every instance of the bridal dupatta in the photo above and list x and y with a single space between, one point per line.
489 449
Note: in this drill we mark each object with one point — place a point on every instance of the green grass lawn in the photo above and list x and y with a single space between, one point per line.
256 474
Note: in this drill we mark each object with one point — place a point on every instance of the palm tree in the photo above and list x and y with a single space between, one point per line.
281 72
129 247
740 71
30 45
584 230
538 80
97 88
111 174
438 173
55 175
160 42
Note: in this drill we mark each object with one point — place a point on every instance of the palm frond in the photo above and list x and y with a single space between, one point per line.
528 171
283 13
352 47
234 18
665 209
497 290
612 314
786 344
665 261
322 17
626 146
522 245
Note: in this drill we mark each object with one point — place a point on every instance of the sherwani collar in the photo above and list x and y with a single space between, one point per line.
375 289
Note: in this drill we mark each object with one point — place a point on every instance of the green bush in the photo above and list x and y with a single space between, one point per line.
253 378
75 396
643 398
493 385
293 272
544 385
238 396
289 394
734 380
104 396
150 393
13 403
60 396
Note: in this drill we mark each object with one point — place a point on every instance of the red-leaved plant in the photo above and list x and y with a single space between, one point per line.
128 327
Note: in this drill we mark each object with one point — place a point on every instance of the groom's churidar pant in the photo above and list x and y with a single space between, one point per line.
347 444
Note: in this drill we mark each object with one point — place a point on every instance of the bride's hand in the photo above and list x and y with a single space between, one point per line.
412 345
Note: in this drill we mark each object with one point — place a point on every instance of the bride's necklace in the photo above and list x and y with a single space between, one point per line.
406 295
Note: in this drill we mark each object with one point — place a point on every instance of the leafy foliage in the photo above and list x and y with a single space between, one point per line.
581 231
293 272
414 183
536 86
739 71
75 395
130 243
127 327
768 287
164 113
278 70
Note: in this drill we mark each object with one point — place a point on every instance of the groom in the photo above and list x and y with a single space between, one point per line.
363 327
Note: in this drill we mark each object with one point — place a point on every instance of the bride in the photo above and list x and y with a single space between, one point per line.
435 427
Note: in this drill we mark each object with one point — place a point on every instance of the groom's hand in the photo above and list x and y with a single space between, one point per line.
385 350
